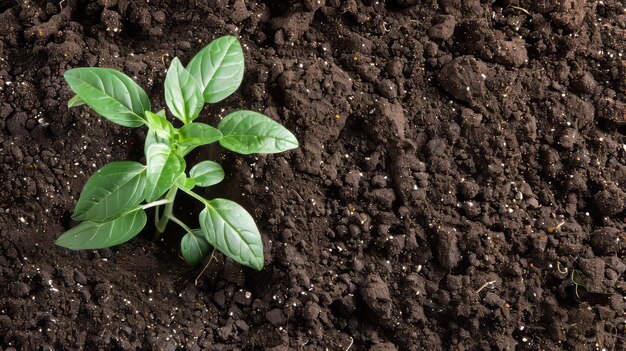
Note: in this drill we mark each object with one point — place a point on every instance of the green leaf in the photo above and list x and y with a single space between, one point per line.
186 183
218 68
196 134
90 235
160 125
110 93
183 95
207 173
114 189
194 247
164 166
152 137
230 229
249 132
75 101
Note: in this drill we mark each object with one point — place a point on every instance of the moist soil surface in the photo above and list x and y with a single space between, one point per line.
460 182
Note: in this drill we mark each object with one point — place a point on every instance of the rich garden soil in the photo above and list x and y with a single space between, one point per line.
459 160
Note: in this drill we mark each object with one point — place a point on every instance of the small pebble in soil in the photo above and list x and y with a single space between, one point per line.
377 297
311 311
276 317
19 289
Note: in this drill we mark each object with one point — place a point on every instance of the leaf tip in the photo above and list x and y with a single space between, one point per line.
258 266
295 143
69 73
61 242
79 213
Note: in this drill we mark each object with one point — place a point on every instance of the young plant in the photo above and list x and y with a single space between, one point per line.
111 204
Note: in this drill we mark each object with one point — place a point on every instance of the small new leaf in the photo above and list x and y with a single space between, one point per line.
185 183
249 132
218 68
194 247
183 95
114 189
160 125
91 235
230 229
110 93
75 101
189 184
164 166
152 137
206 173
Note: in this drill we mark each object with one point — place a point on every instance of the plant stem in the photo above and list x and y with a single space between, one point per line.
155 203
195 196
167 212
156 215
180 223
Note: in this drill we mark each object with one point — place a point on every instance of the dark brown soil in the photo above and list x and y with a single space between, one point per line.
458 161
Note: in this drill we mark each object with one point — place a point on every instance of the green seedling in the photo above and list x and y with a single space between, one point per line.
114 200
